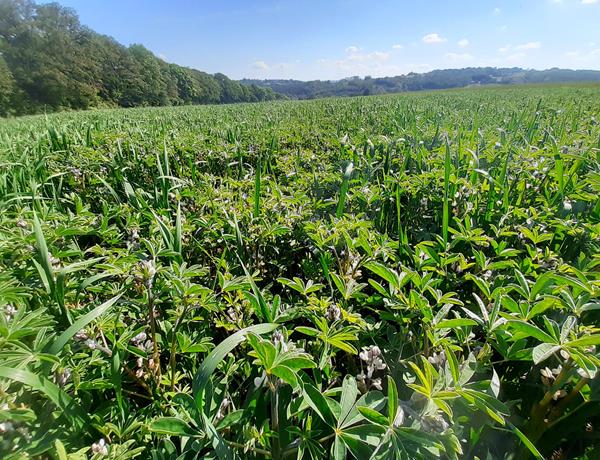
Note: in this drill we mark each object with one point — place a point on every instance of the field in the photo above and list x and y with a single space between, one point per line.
394 277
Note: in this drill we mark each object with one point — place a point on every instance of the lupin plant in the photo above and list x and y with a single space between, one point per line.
391 277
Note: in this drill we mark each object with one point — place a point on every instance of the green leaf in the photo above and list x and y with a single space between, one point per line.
373 416
51 391
60 450
453 323
307 331
338 449
525 440
318 403
172 426
543 351
286 374
453 364
80 323
585 341
348 397
372 399
531 331
218 354
392 400
221 448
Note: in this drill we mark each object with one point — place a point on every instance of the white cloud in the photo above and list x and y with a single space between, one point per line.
359 63
352 49
463 43
497 11
529 46
374 56
589 58
588 2
505 49
433 38
260 65
397 47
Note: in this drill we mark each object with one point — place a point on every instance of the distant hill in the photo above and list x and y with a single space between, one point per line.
437 79
49 61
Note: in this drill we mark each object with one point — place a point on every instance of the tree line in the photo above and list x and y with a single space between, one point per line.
437 79
50 62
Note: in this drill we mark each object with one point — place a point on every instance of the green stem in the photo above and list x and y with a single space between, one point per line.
173 357
155 354
275 423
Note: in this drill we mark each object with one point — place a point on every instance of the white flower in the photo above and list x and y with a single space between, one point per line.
10 311
333 313
372 356
147 270
222 408
399 419
260 381
139 338
567 205
559 394
6 427
438 359
63 378
376 383
100 448
583 373
279 340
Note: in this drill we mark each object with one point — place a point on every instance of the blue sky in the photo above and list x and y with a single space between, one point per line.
319 39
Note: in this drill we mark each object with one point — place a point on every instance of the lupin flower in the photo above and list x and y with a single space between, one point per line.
222 408
278 339
63 377
399 418
54 261
232 314
333 313
6 427
10 311
77 173
260 381
100 448
138 339
146 272
133 241
438 360
139 372
372 356
434 424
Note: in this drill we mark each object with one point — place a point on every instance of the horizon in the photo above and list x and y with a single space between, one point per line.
342 40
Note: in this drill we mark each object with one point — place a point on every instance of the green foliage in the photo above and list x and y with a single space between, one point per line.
204 282
49 62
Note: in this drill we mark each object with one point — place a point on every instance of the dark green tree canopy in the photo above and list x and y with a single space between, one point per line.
49 62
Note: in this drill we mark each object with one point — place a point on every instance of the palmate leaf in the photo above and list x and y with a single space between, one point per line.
60 398
218 354
531 331
80 323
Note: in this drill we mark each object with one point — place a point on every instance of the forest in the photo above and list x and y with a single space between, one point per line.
49 62
436 79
